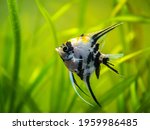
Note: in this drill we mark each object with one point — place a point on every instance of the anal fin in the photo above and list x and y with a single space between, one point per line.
87 81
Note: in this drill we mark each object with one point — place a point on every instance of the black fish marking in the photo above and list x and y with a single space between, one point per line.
90 57
96 47
80 63
69 44
96 36
80 74
68 47
112 68
65 49
105 62
97 71
90 89
97 64
75 82
80 70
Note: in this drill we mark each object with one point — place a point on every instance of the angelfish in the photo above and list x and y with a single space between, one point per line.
81 56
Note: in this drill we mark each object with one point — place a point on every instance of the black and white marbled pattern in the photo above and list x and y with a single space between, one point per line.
81 55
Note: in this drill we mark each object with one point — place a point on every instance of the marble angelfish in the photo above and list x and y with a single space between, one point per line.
81 56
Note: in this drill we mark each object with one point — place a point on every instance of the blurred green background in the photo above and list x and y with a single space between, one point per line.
33 77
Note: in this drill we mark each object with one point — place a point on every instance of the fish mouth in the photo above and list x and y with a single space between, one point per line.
59 50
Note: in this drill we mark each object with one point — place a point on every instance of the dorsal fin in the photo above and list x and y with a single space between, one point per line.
96 36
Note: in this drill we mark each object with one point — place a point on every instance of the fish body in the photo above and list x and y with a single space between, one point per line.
81 55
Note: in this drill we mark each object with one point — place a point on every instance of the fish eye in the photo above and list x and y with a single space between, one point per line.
65 48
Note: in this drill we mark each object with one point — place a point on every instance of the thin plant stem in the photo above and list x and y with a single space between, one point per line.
12 7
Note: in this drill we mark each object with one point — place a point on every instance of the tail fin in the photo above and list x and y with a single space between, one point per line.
114 56
107 57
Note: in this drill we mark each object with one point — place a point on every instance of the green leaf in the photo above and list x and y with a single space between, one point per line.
131 18
61 11
32 86
145 103
116 90
48 18
12 6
